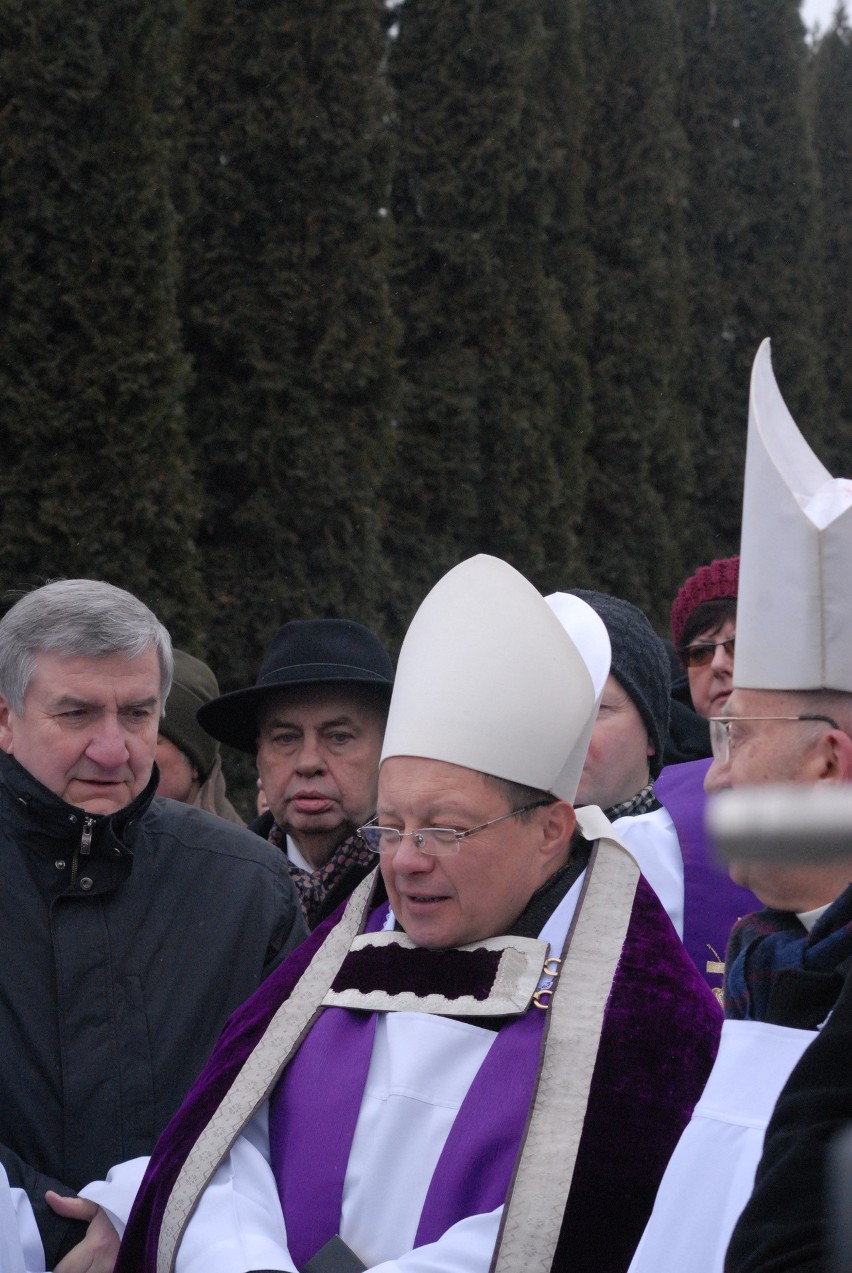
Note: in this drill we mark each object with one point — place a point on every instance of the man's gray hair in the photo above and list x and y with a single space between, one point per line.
77 617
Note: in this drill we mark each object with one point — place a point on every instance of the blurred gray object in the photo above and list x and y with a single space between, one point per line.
789 823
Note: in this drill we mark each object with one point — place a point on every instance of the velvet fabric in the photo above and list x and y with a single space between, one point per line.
661 1033
660 1037
455 974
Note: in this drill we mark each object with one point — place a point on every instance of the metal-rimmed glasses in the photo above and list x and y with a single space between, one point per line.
720 731
433 841
700 653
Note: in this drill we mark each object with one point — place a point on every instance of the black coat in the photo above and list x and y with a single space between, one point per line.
688 737
119 969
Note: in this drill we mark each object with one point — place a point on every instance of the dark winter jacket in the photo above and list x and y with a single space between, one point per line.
689 734
120 964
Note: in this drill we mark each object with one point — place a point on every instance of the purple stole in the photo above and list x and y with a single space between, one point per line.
475 1168
712 902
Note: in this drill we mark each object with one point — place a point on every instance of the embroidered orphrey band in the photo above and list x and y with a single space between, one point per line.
532 1217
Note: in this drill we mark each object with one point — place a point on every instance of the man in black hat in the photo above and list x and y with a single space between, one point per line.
315 720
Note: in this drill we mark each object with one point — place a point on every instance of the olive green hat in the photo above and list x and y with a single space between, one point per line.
193 686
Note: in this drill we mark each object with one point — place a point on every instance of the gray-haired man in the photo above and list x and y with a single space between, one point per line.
132 926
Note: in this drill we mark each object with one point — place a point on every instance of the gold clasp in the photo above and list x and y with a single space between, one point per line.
550 968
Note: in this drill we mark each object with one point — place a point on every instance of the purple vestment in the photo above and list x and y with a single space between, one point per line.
660 1035
712 902
475 1167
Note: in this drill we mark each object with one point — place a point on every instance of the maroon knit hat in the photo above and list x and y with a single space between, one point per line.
709 583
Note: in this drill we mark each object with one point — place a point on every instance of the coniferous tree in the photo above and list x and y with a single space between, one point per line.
286 312
568 264
752 237
493 390
534 407
640 471
831 105
95 478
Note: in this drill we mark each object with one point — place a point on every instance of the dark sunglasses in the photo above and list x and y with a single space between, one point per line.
702 652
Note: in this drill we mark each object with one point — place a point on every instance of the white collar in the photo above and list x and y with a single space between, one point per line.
296 857
809 918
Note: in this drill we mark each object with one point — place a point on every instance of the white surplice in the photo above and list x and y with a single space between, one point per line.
651 838
421 1069
710 1176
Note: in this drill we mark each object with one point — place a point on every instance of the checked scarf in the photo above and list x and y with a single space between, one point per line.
643 802
314 886
771 942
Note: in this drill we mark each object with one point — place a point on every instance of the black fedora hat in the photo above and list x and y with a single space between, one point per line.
304 652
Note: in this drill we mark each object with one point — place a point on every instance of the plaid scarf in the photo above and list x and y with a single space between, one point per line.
765 944
314 886
643 802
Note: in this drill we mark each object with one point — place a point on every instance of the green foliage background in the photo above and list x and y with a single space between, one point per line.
830 99
752 225
96 472
302 304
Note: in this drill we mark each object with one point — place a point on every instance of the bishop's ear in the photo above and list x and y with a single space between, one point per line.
838 756
558 821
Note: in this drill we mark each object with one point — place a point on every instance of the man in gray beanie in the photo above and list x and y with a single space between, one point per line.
624 758
626 750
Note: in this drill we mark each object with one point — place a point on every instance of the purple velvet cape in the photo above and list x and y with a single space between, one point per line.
660 1037
712 902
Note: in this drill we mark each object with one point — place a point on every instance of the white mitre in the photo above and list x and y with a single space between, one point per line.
488 678
794 610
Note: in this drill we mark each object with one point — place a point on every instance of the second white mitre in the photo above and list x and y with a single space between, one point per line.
794 612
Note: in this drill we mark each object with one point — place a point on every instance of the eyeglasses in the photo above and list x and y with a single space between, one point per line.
703 652
721 742
433 841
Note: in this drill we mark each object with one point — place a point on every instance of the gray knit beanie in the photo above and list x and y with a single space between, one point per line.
193 686
640 663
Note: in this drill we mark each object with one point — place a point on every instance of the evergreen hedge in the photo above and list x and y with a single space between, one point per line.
305 303
96 475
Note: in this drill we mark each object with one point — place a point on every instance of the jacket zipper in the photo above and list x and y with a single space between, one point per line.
84 849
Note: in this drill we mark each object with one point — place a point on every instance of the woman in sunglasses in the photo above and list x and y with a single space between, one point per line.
704 625
704 620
